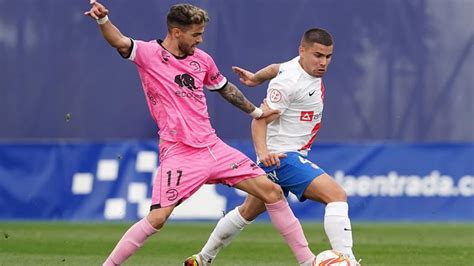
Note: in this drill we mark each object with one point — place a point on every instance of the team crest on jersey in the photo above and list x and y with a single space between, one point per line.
275 95
306 116
195 65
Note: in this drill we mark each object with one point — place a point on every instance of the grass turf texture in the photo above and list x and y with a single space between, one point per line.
24 243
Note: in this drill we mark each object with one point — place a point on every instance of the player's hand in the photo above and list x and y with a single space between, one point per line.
267 111
97 10
269 159
246 77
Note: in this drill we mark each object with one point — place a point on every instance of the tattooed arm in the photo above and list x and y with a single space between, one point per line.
234 96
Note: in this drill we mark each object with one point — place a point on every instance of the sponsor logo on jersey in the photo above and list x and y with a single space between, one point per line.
151 97
165 56
187 81
172 194
216 76
306 116
188 94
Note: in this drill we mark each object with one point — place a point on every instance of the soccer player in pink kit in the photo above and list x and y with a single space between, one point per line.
173 74
297 91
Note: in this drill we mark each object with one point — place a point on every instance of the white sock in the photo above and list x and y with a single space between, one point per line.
225 231
338 227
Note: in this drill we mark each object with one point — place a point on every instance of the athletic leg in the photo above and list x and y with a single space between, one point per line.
175 182
235 169
280 214
308 181
336 219
229 227
136 235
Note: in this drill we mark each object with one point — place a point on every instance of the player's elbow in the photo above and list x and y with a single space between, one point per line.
123 46
122 43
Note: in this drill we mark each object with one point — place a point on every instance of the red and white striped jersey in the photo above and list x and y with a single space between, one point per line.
299 97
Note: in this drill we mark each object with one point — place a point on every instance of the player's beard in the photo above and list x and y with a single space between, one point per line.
186 49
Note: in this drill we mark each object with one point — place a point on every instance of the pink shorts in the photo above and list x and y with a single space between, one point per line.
184 169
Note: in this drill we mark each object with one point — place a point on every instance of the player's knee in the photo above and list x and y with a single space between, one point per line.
338 195
157 219
274 194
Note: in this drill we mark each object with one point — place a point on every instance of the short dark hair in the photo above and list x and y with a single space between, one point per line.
185 15
317 35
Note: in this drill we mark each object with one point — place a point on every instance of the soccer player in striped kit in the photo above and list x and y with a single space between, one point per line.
282 142
174 73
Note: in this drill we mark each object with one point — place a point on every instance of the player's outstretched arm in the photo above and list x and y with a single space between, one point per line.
234 96
253 79
111 34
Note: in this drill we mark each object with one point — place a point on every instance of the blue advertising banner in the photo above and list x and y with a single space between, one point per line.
112 181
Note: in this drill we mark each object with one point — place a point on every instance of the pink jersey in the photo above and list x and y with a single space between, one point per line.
174 91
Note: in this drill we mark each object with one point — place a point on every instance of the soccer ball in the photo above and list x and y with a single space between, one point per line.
331 258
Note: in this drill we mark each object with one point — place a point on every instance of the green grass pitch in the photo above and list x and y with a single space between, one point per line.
47 243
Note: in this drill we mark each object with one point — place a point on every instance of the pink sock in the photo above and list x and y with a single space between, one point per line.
131 241
290 228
